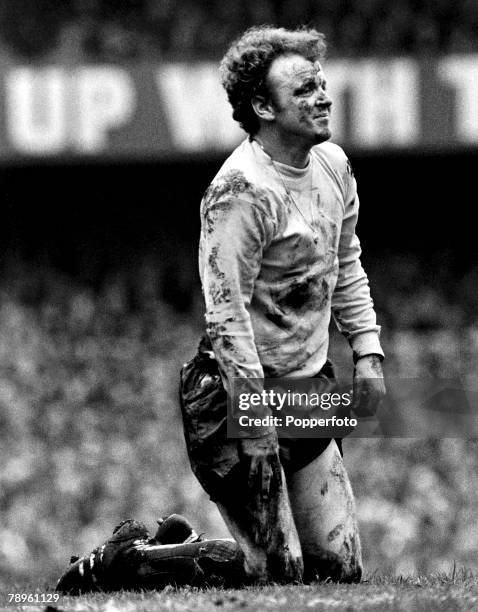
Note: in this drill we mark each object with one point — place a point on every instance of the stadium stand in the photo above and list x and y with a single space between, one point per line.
104 30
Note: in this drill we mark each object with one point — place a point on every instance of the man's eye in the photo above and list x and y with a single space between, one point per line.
306 89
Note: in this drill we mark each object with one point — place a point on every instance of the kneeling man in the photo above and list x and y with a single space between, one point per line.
278 256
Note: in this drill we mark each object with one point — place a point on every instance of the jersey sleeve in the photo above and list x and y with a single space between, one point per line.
234 234
352 305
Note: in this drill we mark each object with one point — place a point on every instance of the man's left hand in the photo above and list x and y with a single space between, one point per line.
369 387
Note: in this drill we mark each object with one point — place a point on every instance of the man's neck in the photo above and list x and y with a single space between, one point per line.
290 153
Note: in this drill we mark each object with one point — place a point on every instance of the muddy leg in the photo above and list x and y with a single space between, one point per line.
263 527
324 511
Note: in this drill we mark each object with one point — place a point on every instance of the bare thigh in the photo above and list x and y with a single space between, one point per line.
323 507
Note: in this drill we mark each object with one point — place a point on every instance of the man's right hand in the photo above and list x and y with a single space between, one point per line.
262 457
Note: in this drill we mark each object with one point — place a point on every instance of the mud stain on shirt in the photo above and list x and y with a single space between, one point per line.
224 342
286 308
219 291
216 199
231 184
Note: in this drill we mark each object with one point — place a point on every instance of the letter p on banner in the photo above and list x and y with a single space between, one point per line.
106 100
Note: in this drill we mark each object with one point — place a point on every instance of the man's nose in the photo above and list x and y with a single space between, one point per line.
323 99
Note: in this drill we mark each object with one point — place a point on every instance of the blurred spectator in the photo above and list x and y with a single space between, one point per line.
30 30
106 30
464 31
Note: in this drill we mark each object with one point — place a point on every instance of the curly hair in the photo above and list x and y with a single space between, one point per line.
245 66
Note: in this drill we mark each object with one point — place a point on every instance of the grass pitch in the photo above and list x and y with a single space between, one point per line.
448 592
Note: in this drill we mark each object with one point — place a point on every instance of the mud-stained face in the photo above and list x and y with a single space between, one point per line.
298 93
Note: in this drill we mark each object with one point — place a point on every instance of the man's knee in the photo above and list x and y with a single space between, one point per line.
263 527
285 567
271 548
273 566
329 566
332 566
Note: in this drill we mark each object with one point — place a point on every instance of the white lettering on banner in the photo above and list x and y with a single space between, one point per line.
35 110
385 102
106 100
50 110
90 109
462 73
200 117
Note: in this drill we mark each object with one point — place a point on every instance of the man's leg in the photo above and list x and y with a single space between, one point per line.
263 527
261 523
324 511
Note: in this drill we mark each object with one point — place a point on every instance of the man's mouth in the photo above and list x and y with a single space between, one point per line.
324 112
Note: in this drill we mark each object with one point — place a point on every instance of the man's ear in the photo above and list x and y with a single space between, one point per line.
263 108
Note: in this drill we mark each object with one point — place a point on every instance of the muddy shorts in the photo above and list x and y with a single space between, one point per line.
212 454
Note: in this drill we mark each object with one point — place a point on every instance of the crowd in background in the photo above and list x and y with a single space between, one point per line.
90 426
91 430
107 30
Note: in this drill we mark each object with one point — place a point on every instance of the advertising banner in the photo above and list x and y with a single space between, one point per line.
176 109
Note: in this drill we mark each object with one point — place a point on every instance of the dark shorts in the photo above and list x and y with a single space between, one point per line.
212 454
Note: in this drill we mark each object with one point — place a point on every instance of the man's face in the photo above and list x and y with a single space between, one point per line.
301 104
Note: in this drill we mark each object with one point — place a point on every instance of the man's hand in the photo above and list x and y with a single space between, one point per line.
262 457
368 387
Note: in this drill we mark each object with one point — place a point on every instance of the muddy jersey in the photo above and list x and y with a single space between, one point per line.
278 255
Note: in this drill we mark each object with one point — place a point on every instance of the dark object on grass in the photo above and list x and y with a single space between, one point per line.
131 560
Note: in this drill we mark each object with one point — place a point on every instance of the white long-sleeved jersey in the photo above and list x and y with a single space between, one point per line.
272 275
